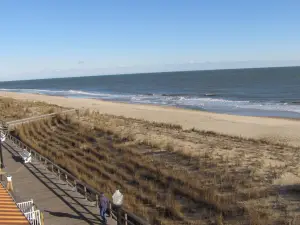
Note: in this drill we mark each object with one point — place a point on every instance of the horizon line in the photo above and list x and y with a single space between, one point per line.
156 72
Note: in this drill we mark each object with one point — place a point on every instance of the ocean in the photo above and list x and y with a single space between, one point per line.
255 92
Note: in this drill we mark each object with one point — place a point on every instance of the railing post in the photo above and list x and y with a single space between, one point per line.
110 210
66 176
125 217
42 218
9 185
97 201
75 185
85 192
58 174
52 167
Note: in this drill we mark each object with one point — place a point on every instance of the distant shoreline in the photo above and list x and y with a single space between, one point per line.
275 129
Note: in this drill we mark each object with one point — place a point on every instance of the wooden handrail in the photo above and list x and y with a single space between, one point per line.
30 119
128 217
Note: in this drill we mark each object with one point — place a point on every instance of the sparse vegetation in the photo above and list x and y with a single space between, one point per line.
170 175
11 109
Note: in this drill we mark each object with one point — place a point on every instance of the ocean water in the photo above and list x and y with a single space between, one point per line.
255 92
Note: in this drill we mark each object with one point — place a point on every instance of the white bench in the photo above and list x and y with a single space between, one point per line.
3 137
26 156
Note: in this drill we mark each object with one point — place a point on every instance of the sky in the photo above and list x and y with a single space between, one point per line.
58 38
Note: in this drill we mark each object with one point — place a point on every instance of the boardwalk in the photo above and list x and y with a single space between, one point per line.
61 205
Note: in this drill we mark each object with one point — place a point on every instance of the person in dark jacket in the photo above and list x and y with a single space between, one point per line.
103 205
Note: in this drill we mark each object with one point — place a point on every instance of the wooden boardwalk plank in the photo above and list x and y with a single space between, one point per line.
9 212
61 204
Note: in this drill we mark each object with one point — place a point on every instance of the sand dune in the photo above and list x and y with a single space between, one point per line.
220 170
276 129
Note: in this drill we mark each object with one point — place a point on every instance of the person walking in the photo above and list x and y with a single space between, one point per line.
103 205
118 201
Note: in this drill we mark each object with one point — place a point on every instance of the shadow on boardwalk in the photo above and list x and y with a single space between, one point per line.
61 204
61 214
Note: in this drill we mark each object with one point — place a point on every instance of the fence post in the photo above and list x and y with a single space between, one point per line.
9 185
58 174
77 112
110 210
75 185
52 167
42 218
66 176
97 201
85 192
125 217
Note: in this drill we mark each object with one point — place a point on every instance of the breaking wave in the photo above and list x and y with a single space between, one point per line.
208 101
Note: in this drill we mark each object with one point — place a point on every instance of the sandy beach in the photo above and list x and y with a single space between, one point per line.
127 150
274 129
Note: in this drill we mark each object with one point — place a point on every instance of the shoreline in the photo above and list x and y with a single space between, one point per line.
283 130
265 109
188 109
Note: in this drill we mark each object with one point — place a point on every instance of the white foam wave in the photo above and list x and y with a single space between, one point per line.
207 103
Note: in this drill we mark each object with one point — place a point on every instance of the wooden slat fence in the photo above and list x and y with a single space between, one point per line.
35 118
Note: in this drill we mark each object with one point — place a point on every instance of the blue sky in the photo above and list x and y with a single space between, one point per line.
56 38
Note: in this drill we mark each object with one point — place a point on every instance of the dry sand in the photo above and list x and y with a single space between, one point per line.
257 165
275 129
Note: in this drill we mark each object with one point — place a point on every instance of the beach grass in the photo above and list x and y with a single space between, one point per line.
11 109
170 175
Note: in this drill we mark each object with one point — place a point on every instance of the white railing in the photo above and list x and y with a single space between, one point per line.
34 217
26 206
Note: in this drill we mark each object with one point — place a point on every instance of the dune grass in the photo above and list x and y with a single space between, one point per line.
169 175
11 109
